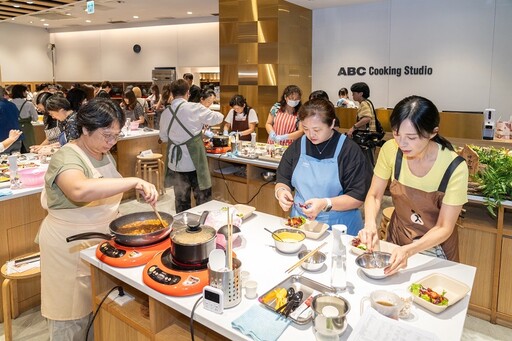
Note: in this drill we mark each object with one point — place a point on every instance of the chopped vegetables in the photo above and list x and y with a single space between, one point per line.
356 242
428 294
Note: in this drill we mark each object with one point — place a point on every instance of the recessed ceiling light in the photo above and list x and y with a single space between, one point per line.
12 18
135 17
189 12
16 6
31 22
30 2
42 19
68 13
46 24
87 20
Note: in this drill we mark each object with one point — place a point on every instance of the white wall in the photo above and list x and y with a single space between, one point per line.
466 42
108 54
23 54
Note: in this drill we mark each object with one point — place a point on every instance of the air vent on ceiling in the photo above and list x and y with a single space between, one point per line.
165 18
52 16
117 22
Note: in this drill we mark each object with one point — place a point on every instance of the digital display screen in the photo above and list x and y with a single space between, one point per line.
211 296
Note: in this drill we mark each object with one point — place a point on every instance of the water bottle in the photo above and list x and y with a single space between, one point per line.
13 172
253 140
339 259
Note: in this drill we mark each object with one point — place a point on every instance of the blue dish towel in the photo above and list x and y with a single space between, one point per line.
261 324
5 192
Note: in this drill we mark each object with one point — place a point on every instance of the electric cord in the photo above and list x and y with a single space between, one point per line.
192 317
89 325
231 194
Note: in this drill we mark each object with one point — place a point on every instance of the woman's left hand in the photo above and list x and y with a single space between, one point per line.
148 191
312 208
398 260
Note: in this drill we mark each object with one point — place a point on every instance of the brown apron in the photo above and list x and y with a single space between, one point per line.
65 278
241 126
417 211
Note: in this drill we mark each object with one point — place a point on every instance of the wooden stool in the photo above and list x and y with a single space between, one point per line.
151 169
10 296
384 222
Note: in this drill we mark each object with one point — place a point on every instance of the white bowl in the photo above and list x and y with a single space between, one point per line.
314 229
292 240
244 211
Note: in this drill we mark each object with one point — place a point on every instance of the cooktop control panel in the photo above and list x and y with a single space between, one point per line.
160 276
111 251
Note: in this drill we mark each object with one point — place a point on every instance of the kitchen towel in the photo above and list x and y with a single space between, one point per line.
5 192
261 324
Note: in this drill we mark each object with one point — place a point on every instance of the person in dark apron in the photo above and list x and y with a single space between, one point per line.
428 186
241 118
327 171
27 114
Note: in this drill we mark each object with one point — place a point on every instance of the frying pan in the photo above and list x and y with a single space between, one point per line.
142 239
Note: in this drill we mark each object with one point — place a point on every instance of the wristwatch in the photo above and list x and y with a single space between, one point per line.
328 207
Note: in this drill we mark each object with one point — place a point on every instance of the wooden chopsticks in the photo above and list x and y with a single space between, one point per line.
229 241
305 258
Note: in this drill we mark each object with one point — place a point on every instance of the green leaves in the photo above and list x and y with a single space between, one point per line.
496 177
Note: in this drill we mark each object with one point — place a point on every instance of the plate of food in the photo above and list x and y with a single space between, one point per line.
295 222
437 292
358 248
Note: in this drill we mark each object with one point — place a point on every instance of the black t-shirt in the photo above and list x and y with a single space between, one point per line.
195 94
355 173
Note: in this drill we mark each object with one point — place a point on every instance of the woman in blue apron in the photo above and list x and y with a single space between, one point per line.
327 172
428 186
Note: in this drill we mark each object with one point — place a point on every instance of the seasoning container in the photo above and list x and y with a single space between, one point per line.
339 259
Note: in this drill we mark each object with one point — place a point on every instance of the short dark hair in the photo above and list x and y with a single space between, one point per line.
207 93
343 92
179 87
18 91
319 94
99 112
106 84
318 107
361 87
76 97
56 102
188 76
241 102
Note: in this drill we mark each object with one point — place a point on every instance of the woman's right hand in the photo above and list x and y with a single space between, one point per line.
148 191
285 199
369 236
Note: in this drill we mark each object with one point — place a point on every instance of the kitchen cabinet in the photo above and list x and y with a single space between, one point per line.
240 182
486 243
21 218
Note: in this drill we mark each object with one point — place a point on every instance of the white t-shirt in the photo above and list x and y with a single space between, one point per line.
253 117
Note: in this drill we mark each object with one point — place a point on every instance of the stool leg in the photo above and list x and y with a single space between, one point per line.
6 307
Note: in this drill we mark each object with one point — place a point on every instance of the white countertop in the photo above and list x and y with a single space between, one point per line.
267 267
137 133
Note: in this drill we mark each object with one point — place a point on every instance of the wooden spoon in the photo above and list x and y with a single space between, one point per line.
164 224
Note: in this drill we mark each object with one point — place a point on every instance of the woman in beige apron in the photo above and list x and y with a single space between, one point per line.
428 186
82 194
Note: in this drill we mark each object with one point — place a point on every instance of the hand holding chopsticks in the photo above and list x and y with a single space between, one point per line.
305 258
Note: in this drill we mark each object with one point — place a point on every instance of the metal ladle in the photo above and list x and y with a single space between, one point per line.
273 234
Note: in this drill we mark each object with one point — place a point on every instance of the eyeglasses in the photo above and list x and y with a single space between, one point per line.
110 137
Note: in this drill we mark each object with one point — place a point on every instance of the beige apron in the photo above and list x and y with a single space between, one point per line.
65 278
417 211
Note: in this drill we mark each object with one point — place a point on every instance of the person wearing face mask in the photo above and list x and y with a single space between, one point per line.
282 125
241 118
336 195
428 186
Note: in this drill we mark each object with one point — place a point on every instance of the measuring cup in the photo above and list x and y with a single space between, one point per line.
386 303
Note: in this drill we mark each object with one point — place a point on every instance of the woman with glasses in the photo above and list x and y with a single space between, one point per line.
82 193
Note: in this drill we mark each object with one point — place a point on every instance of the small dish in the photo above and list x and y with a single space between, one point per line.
455 291
314 229
291 240
244 211
290 223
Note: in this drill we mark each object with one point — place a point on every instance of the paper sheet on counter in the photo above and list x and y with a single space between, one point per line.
374 326
12 268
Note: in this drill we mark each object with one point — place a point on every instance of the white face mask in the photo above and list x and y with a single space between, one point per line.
292 104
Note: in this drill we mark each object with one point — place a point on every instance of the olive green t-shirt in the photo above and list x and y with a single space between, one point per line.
64 159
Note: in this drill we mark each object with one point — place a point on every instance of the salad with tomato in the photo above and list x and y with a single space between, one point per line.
428 294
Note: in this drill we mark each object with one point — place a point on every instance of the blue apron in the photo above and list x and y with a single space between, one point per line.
314 178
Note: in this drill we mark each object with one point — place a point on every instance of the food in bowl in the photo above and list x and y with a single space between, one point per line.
295 222
428 294
313 263
288 240
373 264
358 248
141 227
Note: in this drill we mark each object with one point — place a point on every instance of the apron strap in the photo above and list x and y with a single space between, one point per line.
449 171
398 163
21 108
176 149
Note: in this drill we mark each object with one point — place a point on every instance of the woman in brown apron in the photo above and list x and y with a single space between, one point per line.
428 186
241 119
82 194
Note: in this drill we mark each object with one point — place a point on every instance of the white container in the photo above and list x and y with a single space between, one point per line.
339 259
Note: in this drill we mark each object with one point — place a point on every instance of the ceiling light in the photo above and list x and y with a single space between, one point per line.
12 18
135 17
189 12
30 2
46 24
42 19
87 20
16 6
68 13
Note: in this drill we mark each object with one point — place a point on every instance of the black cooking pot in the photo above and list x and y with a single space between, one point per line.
220 141
193 244
124 237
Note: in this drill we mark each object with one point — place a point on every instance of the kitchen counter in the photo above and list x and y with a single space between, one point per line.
267 267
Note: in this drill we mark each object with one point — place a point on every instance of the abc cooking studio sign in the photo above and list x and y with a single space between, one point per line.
385 71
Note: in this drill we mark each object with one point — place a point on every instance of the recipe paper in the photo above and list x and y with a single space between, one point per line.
374 326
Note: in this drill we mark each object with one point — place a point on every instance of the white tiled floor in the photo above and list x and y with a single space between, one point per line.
30 326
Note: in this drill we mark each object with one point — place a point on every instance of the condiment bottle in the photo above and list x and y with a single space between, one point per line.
253 140
339 259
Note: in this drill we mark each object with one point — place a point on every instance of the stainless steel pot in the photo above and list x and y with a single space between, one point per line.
193 244
141 239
